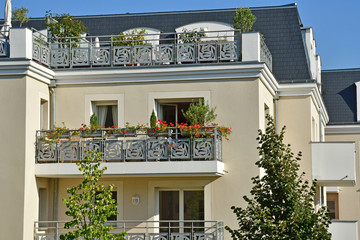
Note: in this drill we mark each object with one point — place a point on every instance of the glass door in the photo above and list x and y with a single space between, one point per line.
176 206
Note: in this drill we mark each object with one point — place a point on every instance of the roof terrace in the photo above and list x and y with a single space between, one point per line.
136 48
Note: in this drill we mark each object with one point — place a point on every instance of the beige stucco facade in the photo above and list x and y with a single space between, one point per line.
243 93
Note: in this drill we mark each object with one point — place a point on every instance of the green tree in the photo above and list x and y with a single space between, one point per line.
90 204
244 19
20 14
64 26
282 206
199 113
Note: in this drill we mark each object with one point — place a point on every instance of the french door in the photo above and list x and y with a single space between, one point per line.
179 208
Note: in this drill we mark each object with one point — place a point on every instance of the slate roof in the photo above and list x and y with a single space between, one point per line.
339 94
280 25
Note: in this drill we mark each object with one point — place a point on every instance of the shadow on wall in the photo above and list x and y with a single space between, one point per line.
349 96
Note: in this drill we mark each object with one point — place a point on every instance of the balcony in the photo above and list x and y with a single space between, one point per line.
144 230
341 230
131 152
333 163
140 50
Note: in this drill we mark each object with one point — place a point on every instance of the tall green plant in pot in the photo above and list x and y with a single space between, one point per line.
244 19
199 113
153 119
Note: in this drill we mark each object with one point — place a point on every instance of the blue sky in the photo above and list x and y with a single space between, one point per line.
335 23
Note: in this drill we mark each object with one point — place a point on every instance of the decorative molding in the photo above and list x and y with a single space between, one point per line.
186 72
342 129
26 68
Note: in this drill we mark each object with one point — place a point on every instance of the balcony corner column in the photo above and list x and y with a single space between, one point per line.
20 43
251 47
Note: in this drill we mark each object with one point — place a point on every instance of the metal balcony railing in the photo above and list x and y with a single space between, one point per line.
265 54
125 145
144 230
137 49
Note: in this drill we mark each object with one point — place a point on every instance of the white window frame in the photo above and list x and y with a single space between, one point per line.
98 98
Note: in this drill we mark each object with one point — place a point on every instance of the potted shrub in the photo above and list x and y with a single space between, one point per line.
94 129
130 131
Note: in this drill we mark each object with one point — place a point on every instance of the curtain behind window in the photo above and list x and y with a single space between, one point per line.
114 110
101 114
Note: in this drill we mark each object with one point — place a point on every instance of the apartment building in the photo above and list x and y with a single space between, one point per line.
186 190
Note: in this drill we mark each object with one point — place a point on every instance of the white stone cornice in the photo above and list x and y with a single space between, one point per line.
159 74
342 129
26 68
268 79
305 89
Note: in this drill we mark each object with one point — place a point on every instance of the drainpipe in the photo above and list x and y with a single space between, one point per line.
276 98
56 181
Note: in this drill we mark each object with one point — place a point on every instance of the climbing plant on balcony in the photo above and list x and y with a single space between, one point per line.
282 203
90 204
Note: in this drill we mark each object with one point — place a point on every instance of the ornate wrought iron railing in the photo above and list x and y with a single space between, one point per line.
265 54
129 145
144 230
136 50
41 49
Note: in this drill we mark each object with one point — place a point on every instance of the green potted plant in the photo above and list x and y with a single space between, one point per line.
199 113
93 130
130 130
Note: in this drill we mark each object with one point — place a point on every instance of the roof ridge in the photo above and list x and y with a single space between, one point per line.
341 70
174 12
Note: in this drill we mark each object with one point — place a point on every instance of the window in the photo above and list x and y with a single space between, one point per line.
171 110
113 196
181 205
107 113
333 204
44 120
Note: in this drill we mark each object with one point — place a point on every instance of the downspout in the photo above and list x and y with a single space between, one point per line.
56 181
320 126
276 98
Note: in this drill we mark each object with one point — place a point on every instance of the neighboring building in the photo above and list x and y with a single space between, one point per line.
340 91
194 182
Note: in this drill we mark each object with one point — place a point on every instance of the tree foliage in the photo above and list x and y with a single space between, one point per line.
244 19
282 206
90 203
190 36
20 14
199 113
64 25
132 38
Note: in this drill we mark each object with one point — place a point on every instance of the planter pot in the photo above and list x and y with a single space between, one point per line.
129 132
115 133
91 133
